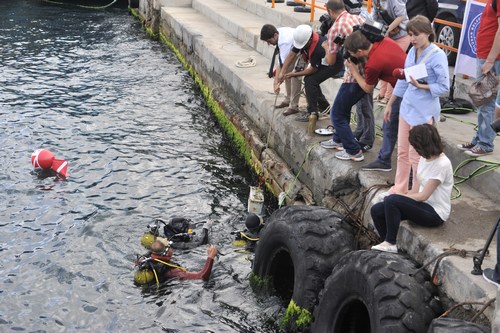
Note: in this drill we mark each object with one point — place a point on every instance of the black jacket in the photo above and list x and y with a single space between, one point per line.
427 8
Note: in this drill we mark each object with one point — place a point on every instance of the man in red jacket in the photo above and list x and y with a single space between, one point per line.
382 59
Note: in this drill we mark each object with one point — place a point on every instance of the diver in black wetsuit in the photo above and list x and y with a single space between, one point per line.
253 225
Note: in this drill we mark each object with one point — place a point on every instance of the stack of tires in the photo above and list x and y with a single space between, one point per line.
307 256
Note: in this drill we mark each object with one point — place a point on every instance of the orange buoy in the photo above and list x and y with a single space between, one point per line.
44 159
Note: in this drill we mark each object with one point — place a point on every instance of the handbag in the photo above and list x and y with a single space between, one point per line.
484 89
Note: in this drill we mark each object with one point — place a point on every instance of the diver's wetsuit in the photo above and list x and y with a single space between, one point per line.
196 242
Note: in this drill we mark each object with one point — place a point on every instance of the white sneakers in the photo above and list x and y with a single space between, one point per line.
386 247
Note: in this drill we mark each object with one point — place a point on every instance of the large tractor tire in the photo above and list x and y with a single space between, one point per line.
297 250
372 291
452 325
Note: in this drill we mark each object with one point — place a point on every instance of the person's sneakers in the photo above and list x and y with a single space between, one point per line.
466 146
330 144
365 148
477 151
376 166
304 117
386 247
290 111
488 276
343 155
325 112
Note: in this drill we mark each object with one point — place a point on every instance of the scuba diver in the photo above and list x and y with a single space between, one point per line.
156 265
253 224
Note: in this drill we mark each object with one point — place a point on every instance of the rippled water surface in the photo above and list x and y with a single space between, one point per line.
90 87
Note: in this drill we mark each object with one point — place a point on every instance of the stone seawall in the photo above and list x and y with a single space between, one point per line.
211 43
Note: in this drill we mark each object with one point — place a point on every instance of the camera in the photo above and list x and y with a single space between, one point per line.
326 23
348 56
339 40
299 68
374 31
496 125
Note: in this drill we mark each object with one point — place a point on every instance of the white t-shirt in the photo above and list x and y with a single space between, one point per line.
285 41
442 170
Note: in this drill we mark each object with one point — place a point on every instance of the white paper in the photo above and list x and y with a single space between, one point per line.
417 72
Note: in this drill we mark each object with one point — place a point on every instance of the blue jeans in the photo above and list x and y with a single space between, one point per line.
390 137
387 215
485 135
340 115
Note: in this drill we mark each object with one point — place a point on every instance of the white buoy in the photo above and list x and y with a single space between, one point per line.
255 200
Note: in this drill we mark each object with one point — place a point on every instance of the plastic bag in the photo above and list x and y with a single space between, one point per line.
484 89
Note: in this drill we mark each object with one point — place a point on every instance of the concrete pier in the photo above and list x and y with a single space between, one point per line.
214 35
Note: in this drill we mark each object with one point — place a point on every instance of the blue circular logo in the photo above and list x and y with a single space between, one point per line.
472 32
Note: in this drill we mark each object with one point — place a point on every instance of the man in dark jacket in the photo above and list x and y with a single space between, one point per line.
428 8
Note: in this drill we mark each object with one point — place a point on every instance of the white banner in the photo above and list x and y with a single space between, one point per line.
466 58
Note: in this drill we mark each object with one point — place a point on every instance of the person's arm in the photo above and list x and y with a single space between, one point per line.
388 108
439 63
429 188
397 21
276 81
368 88
494 52
203 274
307 71
290 58
330 57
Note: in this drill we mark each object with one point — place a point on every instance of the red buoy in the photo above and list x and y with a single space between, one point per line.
44 159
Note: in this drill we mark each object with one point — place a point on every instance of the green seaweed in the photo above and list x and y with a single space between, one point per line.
258 283
296 318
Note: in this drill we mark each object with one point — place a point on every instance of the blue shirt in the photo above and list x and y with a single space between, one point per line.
419 106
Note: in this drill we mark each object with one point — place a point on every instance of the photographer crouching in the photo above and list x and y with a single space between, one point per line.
383 58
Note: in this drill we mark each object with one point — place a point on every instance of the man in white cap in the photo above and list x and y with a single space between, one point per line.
307 43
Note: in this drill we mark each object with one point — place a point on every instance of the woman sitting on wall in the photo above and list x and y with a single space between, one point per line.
428 203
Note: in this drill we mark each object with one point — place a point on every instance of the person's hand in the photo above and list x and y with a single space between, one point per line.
276 88
212 251
487 66
352 66
281 78
387 113
415 82
288 75
325 46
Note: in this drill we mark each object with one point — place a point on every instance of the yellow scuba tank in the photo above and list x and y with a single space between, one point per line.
144 276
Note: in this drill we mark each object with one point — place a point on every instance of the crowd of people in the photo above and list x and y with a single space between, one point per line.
412 73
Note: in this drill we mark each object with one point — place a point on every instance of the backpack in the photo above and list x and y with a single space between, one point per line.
427 8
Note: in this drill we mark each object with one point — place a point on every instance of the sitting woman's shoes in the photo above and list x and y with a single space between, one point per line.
290 111
386 247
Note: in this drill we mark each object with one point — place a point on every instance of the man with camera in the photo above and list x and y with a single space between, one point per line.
383 58
350 92
308 44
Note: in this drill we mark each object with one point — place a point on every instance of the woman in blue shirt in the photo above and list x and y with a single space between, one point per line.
420 102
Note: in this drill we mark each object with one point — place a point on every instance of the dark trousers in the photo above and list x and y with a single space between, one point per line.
365 129
340 115
387 215
314 95
390 137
